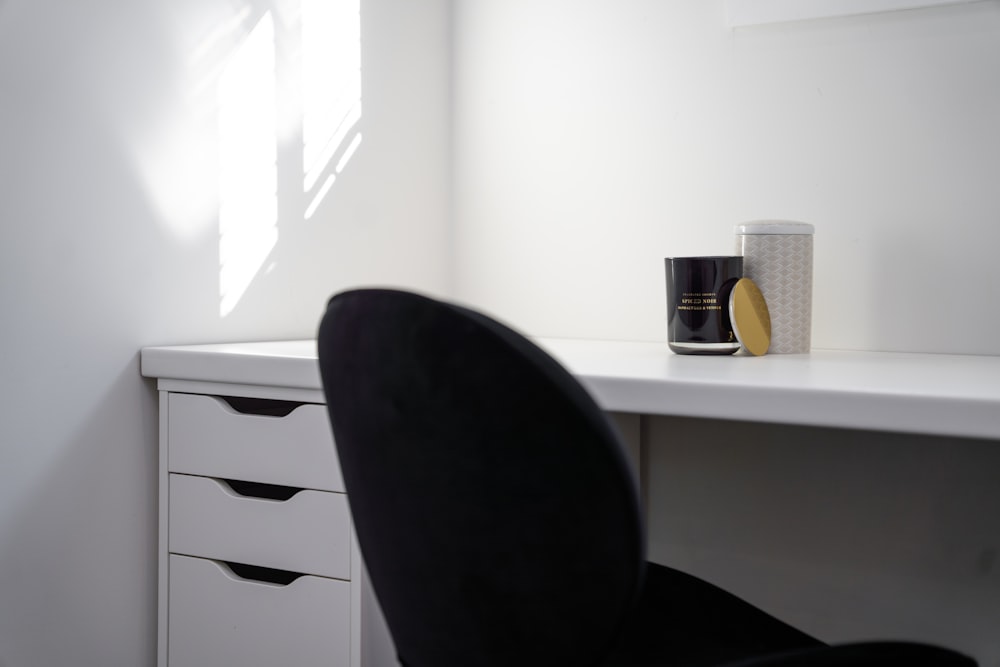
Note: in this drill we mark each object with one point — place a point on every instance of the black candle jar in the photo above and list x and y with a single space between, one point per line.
698 291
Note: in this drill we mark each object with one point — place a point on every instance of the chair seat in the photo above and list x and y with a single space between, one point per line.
683 621
680 619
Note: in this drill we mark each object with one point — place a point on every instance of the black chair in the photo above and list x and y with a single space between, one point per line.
497 515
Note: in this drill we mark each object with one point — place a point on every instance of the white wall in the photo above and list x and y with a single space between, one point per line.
109 241
590 140
595 138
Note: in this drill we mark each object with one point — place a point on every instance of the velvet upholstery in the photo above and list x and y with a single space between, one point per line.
496 512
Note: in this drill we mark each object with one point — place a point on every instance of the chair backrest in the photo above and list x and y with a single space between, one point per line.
492 501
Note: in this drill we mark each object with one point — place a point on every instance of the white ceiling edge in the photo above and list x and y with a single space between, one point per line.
756 12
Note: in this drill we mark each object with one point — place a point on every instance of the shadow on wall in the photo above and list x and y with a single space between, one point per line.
73 592
847 534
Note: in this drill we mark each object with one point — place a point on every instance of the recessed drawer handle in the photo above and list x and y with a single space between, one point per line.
261 490
267 407
268 575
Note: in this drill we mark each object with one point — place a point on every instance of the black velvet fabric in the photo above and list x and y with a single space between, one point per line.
680 619
497 515
495 510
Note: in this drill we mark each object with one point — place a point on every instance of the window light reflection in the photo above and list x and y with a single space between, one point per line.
248 207
317 42
331 109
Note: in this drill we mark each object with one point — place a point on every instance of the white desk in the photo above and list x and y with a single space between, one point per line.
942 395
932 394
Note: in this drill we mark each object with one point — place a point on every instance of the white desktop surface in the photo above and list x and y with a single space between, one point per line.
954 395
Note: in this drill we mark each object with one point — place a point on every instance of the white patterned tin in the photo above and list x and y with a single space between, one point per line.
778 256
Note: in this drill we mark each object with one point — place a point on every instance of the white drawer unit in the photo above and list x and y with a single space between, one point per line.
309 532
280 442
258 563
219 618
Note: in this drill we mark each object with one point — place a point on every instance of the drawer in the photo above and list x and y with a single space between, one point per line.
309 532
207 436
219 618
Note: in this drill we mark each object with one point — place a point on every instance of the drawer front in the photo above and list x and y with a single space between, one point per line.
208 437
217 618
309 532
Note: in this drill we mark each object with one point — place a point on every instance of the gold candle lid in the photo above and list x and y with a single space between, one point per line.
750 317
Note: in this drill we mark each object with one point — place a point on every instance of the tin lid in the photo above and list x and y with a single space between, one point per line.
749 316
775 227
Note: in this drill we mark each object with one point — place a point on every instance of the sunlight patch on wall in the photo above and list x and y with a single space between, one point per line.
331 99
248 180
293 81
258 121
